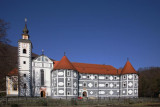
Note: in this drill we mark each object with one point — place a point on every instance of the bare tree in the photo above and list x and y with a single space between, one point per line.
3 31
5 59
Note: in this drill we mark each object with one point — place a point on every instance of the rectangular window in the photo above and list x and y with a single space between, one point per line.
68 84
124 84
24 75
95 77
68 93
95 84
115 85
124 77
84 84
68 73
106 84
24 86
80 76
88 76
24 62
15 86
24 51
135 77
106 77
42 77
115 78
135 84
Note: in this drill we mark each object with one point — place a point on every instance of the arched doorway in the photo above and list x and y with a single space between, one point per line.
84 94
42 94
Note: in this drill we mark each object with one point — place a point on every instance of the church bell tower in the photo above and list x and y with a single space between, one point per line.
24 64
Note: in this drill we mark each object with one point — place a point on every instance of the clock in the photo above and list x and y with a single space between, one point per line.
24 45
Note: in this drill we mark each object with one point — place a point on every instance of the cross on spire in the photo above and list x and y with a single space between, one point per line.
42 52
25 20
64 53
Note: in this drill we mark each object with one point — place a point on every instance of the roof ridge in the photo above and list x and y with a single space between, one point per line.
90 63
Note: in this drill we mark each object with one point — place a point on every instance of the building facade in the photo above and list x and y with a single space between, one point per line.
43 77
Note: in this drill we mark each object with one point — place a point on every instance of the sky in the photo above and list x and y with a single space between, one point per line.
89 31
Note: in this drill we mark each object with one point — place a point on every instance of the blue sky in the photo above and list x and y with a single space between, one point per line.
89 31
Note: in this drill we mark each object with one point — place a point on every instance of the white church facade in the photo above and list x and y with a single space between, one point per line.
43 77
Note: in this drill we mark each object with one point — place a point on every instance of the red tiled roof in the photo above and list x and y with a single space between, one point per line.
55 63
95 68
64 63
128 69
13 72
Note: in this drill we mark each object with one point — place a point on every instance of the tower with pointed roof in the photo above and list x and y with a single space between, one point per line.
129 81
65 80
24 64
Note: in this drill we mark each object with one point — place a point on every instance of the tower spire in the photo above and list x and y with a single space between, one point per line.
25 30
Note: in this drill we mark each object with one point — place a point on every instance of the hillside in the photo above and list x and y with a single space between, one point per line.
8 61
149 82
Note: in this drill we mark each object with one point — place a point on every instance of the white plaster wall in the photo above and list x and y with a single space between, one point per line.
9 88
39 63
23 66
28 47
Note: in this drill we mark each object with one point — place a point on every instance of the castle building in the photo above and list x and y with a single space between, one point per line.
43 77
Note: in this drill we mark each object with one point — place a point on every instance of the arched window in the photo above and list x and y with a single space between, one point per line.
15 86
42 77
24 51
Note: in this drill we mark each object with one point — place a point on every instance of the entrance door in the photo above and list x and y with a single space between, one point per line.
84 94
42 94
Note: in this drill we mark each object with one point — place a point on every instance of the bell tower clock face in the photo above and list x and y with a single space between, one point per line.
24 45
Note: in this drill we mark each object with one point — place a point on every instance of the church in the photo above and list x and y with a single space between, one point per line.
44 77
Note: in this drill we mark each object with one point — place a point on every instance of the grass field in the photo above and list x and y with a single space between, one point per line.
108 102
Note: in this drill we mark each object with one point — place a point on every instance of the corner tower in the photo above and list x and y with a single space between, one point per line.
64 80
24 64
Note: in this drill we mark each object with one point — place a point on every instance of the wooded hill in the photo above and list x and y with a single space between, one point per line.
8 61
149 82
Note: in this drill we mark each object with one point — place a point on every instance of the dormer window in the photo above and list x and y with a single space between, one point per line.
24 51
